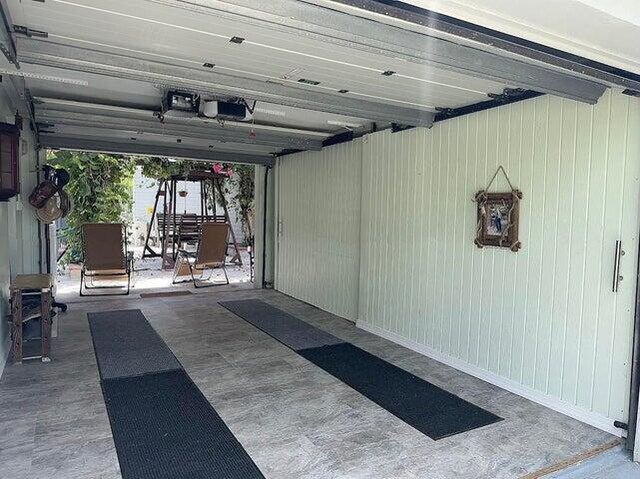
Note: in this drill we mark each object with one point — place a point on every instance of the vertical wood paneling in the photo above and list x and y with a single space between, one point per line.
622 351
544 317
319 198
381 230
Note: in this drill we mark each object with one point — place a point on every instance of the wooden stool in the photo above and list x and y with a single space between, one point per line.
41 283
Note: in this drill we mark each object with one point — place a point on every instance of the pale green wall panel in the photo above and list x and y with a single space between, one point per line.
544 317
542 322
318 216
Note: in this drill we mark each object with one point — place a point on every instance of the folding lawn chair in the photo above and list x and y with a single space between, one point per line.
211 253
105 255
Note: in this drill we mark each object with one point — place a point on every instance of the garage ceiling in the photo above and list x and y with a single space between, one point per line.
601 30
98 72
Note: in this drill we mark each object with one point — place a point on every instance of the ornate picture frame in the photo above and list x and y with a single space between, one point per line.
498 216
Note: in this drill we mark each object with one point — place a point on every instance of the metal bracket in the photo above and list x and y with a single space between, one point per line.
7 45
7 53
510 95
339 138
507 95
444 112
398 127
29 32
44 124
621 425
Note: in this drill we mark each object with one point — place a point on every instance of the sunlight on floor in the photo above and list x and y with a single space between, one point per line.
149 275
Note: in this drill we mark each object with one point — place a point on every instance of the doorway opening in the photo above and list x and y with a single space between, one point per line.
162 204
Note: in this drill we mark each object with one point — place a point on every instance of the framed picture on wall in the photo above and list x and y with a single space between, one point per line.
498 218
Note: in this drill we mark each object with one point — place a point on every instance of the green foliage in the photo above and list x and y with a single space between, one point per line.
101 189
162 168
243 181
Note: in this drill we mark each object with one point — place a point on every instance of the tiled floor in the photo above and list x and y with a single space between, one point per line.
295 420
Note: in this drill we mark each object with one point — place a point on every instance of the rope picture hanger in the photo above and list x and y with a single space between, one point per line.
498 215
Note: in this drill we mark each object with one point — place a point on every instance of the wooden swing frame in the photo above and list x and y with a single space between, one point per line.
169 230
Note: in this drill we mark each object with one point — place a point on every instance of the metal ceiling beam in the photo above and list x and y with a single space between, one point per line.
51 105
336 27
497 40
112 136
195 130
42 52
62 127
77 144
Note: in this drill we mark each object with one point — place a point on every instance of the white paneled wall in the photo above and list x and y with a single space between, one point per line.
542 322
19 242
543 318
318 215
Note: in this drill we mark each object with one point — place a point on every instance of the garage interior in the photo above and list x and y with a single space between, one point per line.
372 125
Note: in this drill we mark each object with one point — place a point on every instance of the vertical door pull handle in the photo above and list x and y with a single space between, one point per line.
617 277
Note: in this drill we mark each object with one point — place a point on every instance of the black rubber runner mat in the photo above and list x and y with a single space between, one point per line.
164 428
127 345
428 408
287 329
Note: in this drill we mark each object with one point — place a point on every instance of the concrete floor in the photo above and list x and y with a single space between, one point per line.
295 420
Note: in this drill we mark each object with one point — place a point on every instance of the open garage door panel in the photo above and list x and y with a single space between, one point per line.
244 81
